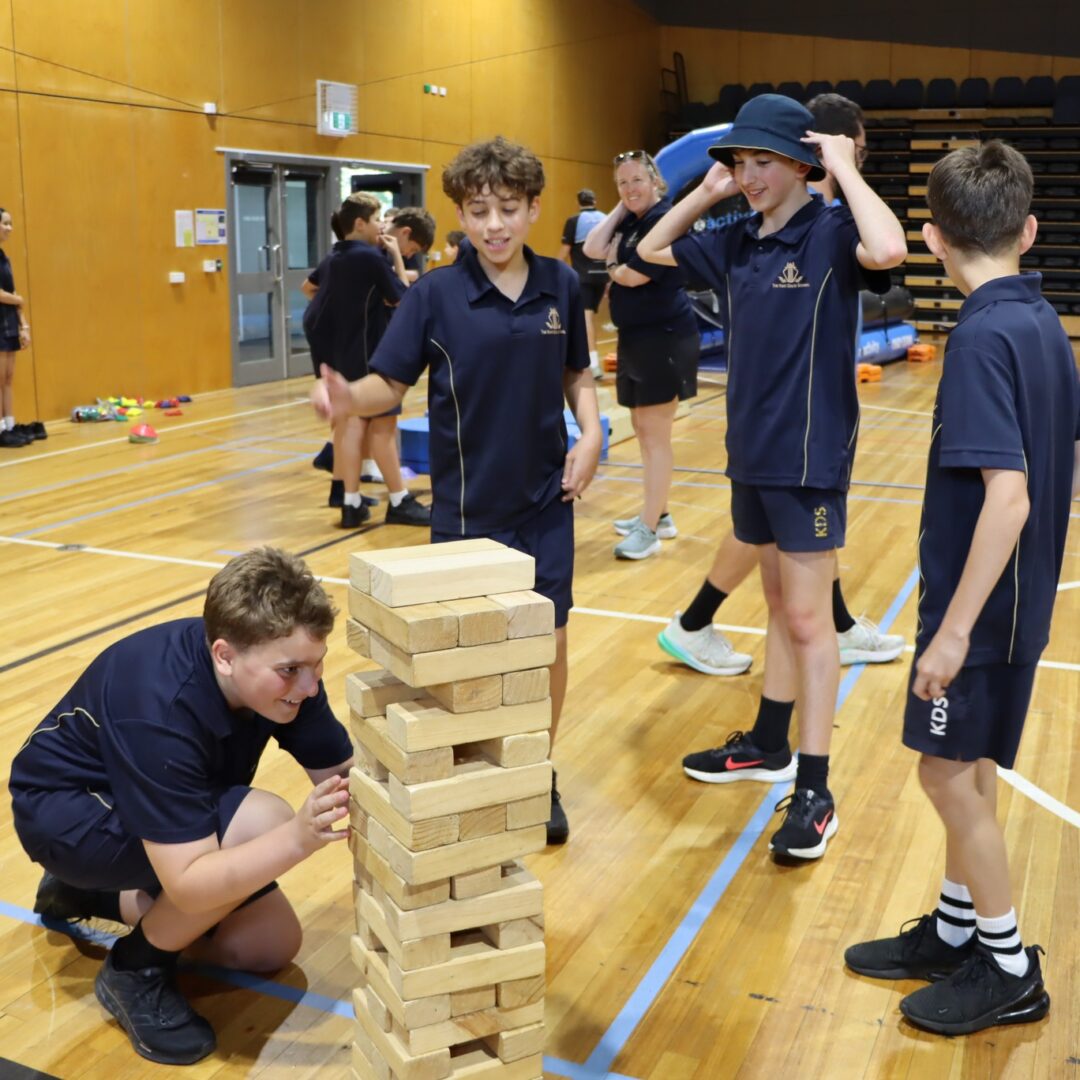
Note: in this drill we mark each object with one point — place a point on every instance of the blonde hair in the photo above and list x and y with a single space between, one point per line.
645 159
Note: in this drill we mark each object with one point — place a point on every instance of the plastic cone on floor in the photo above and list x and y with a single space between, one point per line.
143 433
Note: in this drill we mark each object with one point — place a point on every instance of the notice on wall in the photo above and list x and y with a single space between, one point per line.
184 224
210 227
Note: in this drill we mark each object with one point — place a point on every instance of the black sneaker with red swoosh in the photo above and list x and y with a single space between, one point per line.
739 759
809 824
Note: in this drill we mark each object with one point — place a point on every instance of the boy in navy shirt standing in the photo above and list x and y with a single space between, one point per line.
135 795
1004 464
502 333
791 274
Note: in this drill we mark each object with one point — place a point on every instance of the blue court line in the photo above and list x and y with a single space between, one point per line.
161 496
655 979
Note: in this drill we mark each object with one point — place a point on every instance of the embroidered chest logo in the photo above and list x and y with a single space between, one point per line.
554 323
790 278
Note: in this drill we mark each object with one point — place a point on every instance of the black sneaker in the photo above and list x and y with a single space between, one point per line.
37 429
352 517
324 459
809 824
978 995
57 900
337 493
410 511
917 952
161 1024
558 828
11 440
739 759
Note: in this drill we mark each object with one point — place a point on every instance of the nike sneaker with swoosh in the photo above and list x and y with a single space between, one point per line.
809 824
739 759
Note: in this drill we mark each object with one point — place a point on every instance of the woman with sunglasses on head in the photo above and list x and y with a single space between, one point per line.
658 341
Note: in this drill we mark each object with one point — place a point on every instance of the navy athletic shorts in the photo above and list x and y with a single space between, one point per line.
793 518
981 715
549 539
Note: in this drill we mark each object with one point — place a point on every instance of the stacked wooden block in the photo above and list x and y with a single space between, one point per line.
452 785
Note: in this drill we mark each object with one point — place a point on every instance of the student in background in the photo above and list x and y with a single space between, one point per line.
453 246
413 228
14 335
592 273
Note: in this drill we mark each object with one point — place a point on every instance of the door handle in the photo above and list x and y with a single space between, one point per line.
279 268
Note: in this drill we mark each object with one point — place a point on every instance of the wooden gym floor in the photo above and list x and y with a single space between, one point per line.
676 949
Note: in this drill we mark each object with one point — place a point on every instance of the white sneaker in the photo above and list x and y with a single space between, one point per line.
705 650
597 372
864 643
665 527
640 543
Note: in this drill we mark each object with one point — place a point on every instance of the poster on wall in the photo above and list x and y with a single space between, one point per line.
210 227
184 226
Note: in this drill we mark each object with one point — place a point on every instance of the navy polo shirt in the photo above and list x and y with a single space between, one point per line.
792 300
662 302
1009 398
147 729
495 386
9 313
349 314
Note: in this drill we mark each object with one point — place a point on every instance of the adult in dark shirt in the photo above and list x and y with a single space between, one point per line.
658 341
134 793
592 273
14 335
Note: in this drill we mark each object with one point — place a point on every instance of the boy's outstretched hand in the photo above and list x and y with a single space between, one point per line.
580 466
836 152
327 805
330 395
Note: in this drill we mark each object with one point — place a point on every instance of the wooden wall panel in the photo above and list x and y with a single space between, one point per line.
927 62
991 65
446 40
789 53
7 57
175 50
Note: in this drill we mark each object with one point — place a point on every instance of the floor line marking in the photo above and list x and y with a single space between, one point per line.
889 408
1037 795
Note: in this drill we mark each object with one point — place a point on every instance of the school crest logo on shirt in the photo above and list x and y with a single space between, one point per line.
554 323
790 278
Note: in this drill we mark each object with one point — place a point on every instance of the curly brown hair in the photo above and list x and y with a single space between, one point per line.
497 165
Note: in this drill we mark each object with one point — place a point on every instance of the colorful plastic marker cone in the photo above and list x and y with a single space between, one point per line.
143 433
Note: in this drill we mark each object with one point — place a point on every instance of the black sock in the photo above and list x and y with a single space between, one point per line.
703 607
101 905
771 727
842 619
133 953
813 773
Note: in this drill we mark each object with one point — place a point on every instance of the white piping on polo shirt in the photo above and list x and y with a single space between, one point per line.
56 726
457 414
810 379
1016 580
731 322
918 551
367 303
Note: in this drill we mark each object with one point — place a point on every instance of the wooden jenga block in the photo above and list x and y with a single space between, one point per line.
469 1001
517 992
520 1043
528 613
468 695
378 1010
467 1027
357 637
444 575
474 1061
369 693
487 821
367 1062
441 863
373 798
408 896
369 763
418 1013
405 1066
518 896
525 812
473 785
424 724
481 621
519 687
360 562
409 767
512 933
418 628
364 934
446 665
473 962
511 751
417 953
475 883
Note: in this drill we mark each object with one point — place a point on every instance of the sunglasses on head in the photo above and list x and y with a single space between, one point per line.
633 155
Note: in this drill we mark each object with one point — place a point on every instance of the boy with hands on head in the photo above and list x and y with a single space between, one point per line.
791 275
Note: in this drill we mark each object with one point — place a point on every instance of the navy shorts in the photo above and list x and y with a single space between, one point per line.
981 715
78 838
793 518
10 343
656 366
592 292
549 539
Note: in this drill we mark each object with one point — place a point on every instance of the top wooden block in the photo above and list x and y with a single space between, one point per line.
440 572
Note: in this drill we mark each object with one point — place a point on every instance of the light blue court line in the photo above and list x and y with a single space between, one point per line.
655 979
149 499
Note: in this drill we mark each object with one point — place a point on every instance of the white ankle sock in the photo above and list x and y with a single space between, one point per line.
594 358
1002 937
398 497
9 423
352 498
955 914
368 467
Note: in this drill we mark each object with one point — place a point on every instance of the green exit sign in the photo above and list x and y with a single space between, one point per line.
340 121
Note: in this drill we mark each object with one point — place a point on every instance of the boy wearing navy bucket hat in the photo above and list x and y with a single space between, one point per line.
791 275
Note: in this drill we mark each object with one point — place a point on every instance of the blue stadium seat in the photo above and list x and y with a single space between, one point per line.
941 94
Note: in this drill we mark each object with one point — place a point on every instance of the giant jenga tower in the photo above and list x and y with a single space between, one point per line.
453 785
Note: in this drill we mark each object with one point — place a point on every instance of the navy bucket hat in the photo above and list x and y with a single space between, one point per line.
771 122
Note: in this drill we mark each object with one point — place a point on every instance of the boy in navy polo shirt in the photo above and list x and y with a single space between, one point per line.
503 334
1004 464
134 793
791 274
